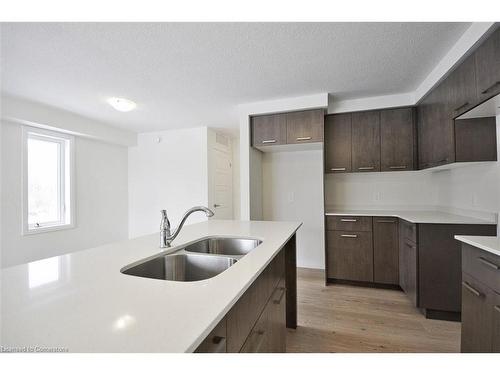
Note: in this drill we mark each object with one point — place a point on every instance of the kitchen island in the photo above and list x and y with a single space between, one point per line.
82 302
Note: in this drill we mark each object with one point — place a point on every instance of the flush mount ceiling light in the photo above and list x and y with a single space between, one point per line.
122 104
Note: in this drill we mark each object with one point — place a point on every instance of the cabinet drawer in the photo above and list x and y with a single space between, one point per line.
350 255
408 231
355 223
484 266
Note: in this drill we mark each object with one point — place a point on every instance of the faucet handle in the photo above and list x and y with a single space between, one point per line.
164 219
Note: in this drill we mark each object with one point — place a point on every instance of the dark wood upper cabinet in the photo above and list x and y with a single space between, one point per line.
442 132
305 126
397 139
268 130
487 58
385 250
366 141
462 87
338 139
476 139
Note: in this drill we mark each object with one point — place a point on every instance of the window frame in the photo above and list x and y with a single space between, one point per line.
66 171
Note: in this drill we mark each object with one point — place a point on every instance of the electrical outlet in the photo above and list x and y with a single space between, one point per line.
291 197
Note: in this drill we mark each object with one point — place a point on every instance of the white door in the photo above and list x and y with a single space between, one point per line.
222 183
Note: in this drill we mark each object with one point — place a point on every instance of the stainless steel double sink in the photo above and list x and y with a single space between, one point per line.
200 260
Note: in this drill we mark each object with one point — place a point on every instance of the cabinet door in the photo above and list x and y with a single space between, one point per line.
305 126
476 317
408 266
350 255
366 141
259 337
268 130
462 86
424 117
442 132
495 342
338 138
476 139
397 144
385 250
488 67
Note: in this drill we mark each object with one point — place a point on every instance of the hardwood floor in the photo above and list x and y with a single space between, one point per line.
341 318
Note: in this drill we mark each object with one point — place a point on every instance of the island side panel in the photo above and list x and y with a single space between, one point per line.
291 282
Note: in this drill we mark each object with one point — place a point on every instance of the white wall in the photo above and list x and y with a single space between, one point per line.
236 179
101 200
381 190
171 175
293 191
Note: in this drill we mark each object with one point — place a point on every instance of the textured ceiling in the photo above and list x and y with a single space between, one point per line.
195 74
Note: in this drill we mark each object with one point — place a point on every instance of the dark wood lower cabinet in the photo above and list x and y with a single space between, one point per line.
385 250
480 301
257 322
350 255
408 268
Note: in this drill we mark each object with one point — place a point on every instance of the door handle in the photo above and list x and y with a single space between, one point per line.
462 106
220 344
216 205
303 138
366 168
278 301
489 88
474 291
269 141
349 220
398 167
349 235
337 169
386 221
488 263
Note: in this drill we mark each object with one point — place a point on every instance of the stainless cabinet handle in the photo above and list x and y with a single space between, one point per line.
278 301
366 168
489 88
497 308
349 235
269 141
303 138
462 106
488 263
398 167
471 289
337 169
349 220
220 344
386 221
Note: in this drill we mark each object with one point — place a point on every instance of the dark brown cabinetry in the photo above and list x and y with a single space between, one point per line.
476 139
480 301
366 141
304 126
385 250
371 141
287 128
338 139
258 320
362 249
488 67
440 140
269 130
408 258
397 139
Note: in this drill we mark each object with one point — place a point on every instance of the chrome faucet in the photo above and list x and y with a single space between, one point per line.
166 237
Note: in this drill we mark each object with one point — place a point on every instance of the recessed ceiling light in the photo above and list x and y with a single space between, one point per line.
122 104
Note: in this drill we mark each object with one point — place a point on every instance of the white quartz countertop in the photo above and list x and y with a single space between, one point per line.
417 217
487 243
82 302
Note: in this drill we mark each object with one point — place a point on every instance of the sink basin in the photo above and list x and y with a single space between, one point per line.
181 267
224 246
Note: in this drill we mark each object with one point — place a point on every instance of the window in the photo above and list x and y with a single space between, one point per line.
47 181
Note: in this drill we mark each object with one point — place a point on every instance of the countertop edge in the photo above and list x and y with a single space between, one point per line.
470 241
